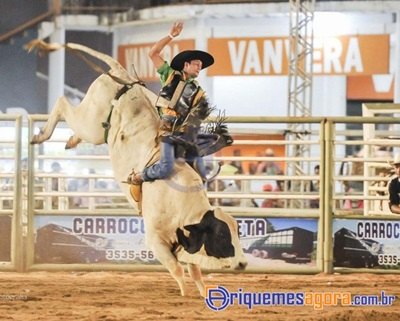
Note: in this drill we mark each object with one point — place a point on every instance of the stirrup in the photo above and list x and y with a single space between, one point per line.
135 181
136 192
134 178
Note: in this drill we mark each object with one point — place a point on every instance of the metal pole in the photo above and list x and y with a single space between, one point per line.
328 197
56 67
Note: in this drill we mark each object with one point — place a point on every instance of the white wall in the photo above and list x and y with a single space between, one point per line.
260 95
251 95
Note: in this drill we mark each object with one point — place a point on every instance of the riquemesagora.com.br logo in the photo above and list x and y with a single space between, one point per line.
219 298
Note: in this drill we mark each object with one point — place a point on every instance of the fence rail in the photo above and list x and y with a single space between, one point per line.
45 186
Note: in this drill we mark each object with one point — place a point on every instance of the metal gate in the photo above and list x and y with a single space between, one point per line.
79 219
13 188
62 209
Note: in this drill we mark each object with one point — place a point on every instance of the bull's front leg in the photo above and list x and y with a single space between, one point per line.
55 116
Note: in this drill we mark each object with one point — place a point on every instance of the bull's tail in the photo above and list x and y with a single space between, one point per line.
44 47
112 63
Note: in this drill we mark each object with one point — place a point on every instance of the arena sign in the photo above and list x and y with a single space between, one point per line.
366 243
135 57
341 55
349 55
267 242
278 242
5 238
91 239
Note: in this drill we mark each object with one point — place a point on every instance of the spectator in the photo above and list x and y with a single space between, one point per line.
268 167
228 169
271 202
215 185
55 183
253 166
349 204
280 185
55 168
231 188
394 187
237 164
314 187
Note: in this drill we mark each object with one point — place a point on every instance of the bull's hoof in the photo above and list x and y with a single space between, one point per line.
72 142
35 140
38 138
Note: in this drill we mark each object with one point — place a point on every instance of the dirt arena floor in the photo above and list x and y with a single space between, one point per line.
119 296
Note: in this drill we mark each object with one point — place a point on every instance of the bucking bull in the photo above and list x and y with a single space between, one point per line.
181 226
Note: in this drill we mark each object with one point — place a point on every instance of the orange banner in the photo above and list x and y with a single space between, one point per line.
378 87
350 55
135 58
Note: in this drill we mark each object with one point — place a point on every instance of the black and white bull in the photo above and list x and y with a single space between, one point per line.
181 226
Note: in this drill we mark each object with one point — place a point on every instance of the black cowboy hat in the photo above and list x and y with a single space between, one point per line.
188 55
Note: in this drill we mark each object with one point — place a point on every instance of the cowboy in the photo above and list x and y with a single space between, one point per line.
182 106
394 187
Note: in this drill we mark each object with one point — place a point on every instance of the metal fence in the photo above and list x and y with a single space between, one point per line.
71 214
11 193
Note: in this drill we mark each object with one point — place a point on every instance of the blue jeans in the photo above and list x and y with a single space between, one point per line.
163 168
198 165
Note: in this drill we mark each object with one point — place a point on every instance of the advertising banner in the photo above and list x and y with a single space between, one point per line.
353 55
135 57
5 238
366 244
91 239
349 55
269 243
279 242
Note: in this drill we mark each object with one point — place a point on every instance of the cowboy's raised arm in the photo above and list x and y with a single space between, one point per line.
155 51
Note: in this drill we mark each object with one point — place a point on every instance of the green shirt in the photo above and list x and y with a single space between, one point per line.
165 71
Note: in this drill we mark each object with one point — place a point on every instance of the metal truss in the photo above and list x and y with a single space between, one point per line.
300 85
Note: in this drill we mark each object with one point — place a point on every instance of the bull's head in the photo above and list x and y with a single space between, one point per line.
216 237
